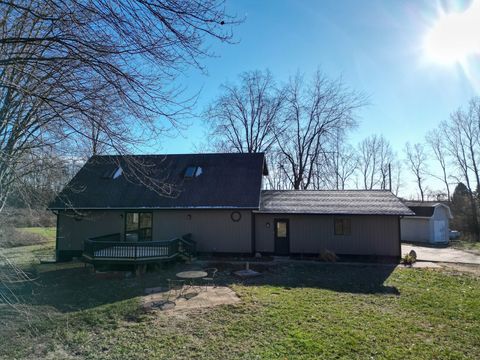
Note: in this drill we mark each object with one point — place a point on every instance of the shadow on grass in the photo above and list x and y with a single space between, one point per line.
72 287
357 278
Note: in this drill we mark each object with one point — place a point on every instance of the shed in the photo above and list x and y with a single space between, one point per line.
430 223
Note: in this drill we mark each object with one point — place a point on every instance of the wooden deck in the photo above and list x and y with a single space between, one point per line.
104 250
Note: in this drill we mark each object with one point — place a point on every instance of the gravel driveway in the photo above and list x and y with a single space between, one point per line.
442 254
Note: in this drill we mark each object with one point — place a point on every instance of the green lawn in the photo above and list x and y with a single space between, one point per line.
26 255
473 246
300 311
47 232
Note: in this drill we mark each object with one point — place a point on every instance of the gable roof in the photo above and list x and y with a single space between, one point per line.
224 181
334 202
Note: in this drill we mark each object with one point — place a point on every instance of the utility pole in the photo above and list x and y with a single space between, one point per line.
389 177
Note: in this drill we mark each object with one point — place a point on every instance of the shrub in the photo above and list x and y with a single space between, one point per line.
328 256
410 258
11 237
16 217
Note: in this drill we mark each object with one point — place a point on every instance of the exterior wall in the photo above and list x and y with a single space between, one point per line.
71 233
311 234
212 230
416 229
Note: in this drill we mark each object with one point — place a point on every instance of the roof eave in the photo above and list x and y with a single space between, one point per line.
156 208
330 213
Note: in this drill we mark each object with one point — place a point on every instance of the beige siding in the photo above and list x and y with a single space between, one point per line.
72 232
213 230
371 235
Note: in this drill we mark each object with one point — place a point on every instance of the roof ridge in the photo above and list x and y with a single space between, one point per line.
180 154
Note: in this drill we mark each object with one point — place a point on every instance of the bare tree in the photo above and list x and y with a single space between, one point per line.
416 160
277 179
336 166
97 70
397 183
245 117
374 156
314 111
436 141
462 143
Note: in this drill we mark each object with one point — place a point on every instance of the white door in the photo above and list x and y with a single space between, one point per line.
439 231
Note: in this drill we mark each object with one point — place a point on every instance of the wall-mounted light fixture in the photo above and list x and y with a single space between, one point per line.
267 225
189 217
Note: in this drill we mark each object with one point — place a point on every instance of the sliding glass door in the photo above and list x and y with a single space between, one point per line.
138 226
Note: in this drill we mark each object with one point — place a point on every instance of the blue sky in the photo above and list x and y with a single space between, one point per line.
376 46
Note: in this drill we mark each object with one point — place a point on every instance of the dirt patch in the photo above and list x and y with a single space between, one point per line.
194 298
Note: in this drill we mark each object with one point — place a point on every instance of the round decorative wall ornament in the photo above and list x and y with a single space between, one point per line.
236 216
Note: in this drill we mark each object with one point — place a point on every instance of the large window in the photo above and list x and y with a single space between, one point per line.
138 226
343 226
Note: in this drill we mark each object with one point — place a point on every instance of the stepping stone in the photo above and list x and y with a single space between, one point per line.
153 290
247 273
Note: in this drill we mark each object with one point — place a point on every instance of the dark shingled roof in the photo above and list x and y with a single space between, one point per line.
226 181
335 202
423 208
426 211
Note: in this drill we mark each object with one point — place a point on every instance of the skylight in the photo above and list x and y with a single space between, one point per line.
190 171
117 172
193 171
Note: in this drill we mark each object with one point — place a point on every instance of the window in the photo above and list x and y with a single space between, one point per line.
281 229
138 226
343 226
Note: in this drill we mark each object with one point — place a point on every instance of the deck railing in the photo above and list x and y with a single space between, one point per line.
103 249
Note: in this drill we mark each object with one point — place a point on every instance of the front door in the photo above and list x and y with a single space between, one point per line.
282 240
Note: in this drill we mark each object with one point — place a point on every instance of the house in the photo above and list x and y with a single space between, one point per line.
110 212
429 225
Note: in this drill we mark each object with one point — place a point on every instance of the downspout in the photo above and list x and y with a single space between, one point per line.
399 237
56 235
253 245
